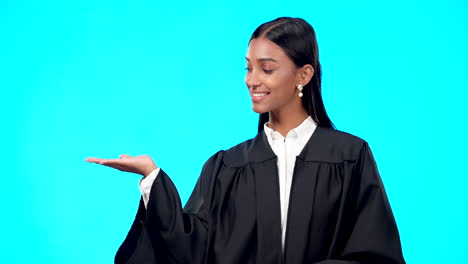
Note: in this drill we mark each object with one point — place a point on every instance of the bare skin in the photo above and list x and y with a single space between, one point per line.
142 164
272 75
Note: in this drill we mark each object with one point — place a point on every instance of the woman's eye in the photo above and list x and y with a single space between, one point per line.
267 71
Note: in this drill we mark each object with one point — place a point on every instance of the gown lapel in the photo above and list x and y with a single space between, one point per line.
300 213
301 201
267 201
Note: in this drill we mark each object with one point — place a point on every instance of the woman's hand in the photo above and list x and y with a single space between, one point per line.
142 164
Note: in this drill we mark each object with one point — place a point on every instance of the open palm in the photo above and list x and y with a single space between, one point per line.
142 164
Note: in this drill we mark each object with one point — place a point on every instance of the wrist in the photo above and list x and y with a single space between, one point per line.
149 170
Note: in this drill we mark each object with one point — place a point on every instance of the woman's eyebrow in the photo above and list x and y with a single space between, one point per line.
263 59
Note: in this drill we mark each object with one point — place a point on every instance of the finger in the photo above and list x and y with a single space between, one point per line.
124 156
93 160
111 161
116 166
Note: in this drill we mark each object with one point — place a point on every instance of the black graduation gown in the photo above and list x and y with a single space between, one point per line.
338 210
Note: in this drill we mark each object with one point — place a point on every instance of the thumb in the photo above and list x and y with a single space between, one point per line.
124 156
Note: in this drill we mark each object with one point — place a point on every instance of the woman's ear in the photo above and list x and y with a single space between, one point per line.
305 74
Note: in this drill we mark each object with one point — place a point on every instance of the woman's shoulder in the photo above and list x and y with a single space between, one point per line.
253 150
237 155
331 145
240 154
339 138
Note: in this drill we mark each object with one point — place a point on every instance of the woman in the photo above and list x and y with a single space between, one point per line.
299 192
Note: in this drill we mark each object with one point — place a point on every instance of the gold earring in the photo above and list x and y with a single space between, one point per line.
300 87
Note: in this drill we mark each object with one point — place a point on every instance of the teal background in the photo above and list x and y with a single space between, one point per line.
102 78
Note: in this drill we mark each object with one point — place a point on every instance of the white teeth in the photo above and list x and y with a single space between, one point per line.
259 94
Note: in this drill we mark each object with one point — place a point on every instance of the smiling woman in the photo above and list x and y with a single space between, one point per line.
272 78
295 45
299 192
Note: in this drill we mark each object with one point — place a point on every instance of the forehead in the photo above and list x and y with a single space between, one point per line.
261 48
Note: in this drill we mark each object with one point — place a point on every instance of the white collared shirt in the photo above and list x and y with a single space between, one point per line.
285 148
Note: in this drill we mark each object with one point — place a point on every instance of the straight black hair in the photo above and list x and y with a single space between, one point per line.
297 38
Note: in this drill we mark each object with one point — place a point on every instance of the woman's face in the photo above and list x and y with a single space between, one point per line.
272 77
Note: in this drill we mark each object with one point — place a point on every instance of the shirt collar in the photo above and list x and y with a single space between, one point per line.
300 131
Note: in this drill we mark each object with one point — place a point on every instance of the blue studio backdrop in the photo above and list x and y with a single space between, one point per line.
103 78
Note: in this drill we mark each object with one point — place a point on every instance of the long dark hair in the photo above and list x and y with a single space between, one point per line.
297 38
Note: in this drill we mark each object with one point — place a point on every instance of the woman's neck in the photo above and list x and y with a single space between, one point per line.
283 121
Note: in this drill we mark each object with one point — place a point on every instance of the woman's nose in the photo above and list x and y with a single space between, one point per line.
251 80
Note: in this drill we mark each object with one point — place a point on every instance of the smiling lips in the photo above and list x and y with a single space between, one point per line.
258 96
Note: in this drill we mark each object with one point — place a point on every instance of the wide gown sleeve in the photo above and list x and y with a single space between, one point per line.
373 236
166 233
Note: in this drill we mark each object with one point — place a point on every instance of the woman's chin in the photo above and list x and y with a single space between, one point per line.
259 109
